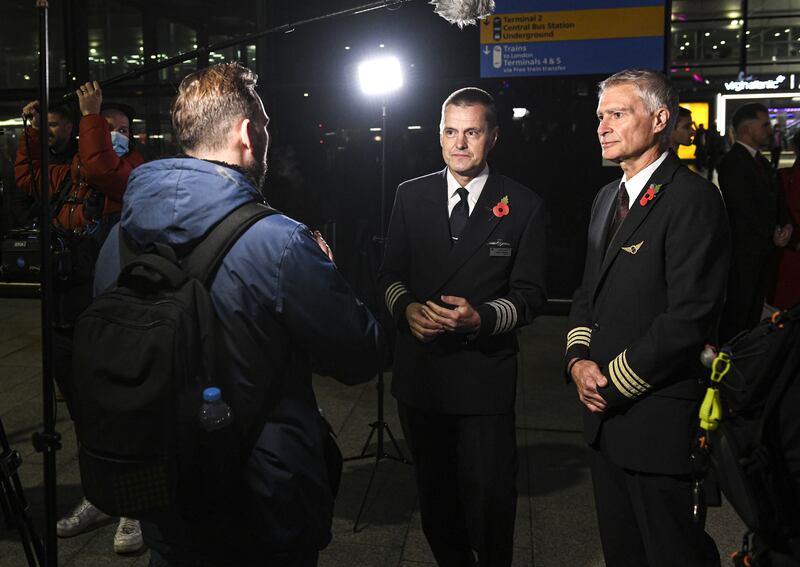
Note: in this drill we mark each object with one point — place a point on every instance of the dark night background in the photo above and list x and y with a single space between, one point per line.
324 160
325 163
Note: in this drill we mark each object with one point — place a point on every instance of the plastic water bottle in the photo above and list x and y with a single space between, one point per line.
217 471
214 412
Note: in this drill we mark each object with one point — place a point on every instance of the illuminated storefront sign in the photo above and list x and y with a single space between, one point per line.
755 85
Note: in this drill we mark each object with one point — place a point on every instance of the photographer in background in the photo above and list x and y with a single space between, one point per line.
85 202
63 147
61 135
88 191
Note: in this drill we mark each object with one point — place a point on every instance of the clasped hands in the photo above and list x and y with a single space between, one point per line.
430 320
588 378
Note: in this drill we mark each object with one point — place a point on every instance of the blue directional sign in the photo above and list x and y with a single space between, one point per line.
572 37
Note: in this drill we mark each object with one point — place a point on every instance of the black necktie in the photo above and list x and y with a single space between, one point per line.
459 215
622 204
621 211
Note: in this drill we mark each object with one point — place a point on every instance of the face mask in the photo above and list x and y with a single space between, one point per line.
120 143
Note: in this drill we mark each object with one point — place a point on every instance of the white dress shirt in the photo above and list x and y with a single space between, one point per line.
635 184
750 149
474 187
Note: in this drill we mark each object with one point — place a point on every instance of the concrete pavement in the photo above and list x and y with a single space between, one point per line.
556 525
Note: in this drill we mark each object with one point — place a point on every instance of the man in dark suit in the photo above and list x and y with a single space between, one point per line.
464 268
652 291
758 223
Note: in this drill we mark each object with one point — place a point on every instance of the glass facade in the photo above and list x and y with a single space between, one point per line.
324 159
115 39
719 38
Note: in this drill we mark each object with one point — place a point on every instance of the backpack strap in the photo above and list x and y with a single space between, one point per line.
59 197
204 260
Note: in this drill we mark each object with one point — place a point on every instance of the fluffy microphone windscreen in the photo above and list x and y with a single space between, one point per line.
463 12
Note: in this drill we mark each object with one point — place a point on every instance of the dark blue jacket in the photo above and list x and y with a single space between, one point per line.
283 308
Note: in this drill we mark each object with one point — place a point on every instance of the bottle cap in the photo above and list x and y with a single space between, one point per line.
212 394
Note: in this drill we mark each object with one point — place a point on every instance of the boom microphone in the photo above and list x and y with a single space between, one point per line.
459 12
463 12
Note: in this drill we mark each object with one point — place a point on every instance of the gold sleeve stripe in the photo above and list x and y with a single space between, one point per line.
393 293
627 367
579 331
579 336
616 379
624 378
587 336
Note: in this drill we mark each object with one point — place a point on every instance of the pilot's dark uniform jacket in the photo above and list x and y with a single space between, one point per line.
497 265
650 299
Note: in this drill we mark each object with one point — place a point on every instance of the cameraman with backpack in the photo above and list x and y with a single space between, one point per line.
282 309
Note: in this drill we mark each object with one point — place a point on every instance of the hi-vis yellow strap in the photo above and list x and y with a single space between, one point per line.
711 408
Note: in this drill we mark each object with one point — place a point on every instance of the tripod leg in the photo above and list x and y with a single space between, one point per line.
13 503
14 509
27 526
369 438
400 456
366 493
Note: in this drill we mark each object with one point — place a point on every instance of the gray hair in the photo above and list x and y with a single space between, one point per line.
655 90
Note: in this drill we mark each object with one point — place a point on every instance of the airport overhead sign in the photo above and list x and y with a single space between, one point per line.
531 38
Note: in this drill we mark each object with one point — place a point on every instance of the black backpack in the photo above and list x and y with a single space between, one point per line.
143 353
745 447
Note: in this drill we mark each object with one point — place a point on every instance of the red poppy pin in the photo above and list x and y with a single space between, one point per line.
501 209
650 194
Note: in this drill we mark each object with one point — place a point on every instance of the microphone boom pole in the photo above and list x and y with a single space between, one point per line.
249 38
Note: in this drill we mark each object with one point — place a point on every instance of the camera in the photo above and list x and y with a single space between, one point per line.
21 256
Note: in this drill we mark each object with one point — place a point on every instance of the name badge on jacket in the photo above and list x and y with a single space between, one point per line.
500 248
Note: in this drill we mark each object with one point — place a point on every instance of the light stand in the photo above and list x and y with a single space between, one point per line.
379 76
48 441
